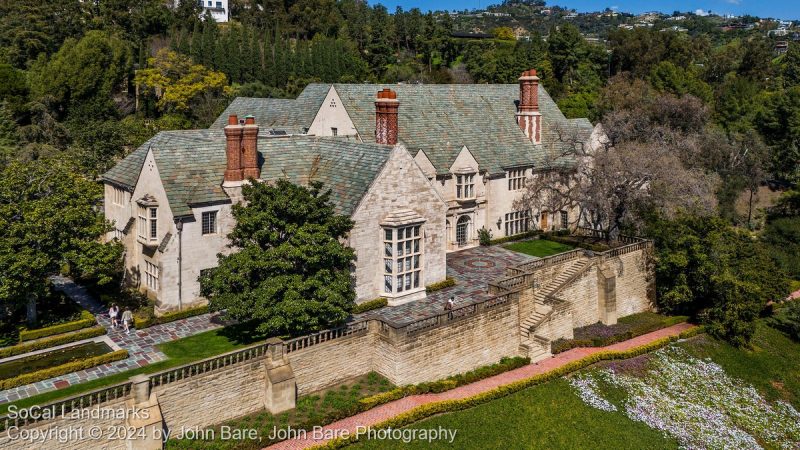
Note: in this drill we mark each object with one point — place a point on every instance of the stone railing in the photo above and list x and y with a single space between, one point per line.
530 266
65 406
302 342
208 365
640 244
590 232
449 316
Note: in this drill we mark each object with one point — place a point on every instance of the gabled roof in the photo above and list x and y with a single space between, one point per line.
438 119
192 163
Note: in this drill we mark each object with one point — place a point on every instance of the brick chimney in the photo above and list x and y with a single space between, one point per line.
250 149
386 106
233 150
528 116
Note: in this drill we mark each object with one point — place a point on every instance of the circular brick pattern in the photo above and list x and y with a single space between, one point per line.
480 263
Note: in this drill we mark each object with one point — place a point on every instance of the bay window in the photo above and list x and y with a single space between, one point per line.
402 262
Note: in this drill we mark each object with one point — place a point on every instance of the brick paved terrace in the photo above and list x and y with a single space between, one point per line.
472 269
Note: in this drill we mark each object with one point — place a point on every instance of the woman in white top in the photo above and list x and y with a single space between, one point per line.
113 313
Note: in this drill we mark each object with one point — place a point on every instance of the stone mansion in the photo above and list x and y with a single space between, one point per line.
419 168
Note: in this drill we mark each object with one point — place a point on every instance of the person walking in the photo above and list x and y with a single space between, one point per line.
451 303
113 313
127 318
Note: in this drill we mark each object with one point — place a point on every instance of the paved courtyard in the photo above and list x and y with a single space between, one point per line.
472 269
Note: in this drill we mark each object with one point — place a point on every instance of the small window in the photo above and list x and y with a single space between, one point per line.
564 220
118 196
333 103
334 131
219 5
153 224
209 222
151 275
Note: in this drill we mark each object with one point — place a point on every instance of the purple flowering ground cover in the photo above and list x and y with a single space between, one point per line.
599 335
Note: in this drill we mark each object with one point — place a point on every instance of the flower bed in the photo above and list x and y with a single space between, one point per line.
51 341
599 335
695 402
87 320
62 369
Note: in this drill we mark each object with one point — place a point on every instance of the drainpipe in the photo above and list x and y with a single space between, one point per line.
179 226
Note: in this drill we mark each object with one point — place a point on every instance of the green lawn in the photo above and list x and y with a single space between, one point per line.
772 365
180 352
548 416
539 247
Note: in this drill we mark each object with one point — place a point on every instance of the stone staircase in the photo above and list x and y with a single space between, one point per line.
532 344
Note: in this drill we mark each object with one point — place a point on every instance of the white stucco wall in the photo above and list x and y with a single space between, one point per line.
332 114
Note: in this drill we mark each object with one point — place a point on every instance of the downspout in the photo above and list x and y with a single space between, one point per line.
179 226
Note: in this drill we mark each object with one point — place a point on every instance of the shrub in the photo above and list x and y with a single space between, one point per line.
787 320
149 321
516 237
379 302
51 342
51 372
86 320
448 282
574 241
485 236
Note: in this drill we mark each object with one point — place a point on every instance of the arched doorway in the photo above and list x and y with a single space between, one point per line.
462 231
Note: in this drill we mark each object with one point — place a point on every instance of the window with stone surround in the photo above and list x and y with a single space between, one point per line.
151 275
117 196
516 179
465 185
402 263
564 220
517 222
148 223
209 222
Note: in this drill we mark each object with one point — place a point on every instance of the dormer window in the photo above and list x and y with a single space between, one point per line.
148 219
465 186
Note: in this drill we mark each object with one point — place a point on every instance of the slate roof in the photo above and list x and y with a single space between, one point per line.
192 163
438 119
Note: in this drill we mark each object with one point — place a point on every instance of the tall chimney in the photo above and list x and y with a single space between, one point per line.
250 149
528 116
386 107
233 150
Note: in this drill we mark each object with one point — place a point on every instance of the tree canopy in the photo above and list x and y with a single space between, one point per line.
290 272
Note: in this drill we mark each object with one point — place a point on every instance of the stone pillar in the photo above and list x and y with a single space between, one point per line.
144 412
386 107
607 294
529 118
281 389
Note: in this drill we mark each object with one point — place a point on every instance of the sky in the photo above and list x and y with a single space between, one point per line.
781 9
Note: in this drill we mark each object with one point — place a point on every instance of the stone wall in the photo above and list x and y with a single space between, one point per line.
329 363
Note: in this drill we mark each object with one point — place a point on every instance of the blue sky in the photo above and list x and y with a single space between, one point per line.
783 9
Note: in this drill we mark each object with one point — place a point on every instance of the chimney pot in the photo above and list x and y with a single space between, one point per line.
528 116
249 120
233 150
233 120
250 167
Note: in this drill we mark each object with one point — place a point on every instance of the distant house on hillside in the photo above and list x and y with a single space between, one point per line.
217 8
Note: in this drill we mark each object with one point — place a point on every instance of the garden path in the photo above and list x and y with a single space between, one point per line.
392 409
141 344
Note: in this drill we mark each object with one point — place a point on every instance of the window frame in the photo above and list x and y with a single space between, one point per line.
465 186
151 275
517 222
516 179
214 228
564 216
403 258
334 131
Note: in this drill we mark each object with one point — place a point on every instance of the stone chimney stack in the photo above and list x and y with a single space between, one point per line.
233 151
250 149
528 116
386 107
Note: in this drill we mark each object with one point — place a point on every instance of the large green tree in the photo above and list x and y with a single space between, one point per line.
290 272
708 269
48 221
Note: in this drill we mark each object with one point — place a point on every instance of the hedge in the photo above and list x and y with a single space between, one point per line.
560 346
144 322
446 406
87 320
379 302
448 282
516 237
53 341
51 372
570 240
445 384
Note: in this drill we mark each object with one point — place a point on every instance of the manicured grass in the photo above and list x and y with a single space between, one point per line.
794 285
539 247
548 416
316 409
180 352
772 365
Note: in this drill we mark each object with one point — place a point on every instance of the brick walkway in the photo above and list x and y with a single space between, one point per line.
392 409
141 344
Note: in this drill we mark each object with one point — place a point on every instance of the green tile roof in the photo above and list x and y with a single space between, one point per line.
192 163
438 119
